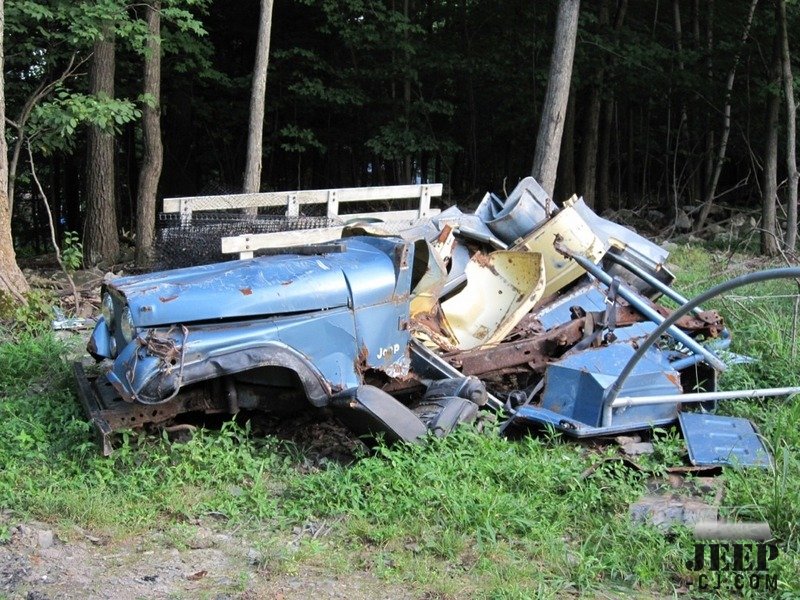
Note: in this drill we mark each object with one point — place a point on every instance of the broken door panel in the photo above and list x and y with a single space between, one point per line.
502 287
570 228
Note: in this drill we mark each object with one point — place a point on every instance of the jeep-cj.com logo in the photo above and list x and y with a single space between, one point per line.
728 566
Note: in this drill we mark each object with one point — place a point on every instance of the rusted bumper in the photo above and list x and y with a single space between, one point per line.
109 413
94 405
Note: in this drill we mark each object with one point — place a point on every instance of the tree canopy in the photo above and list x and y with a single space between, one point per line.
372 93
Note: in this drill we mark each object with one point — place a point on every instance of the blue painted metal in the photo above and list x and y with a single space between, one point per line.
575 386
589 297
363 274
352 316
541 416
667 324
714 440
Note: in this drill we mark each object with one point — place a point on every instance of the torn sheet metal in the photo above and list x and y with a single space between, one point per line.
552 326
575 233
501 288
468 226
526 207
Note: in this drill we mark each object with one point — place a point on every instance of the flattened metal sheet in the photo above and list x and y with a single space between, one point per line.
718 440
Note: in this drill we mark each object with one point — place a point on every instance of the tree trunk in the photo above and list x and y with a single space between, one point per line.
407 175
631 164
590 144
566 166
255 134
683 122
591 129
12 282
604 171
708 168
548 142
100 232
769 241
726 123
150 172
791 131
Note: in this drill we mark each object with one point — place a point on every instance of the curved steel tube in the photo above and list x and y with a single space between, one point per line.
650 280
613 391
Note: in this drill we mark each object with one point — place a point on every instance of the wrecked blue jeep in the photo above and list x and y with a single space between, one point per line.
545 314
265 333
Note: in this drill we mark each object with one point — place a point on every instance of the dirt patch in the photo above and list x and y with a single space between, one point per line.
38 564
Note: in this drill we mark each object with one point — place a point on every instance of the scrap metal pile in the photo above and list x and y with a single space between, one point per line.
547 315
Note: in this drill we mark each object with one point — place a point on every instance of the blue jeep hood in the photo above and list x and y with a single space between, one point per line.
264 286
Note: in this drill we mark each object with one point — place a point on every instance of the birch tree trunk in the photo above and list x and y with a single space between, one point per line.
152 160
791 131
551 127
255 134
12 282
100 229
726 124
769 241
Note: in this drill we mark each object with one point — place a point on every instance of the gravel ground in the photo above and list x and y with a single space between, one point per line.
36 564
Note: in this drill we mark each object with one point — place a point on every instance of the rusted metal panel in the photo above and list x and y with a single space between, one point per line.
394 308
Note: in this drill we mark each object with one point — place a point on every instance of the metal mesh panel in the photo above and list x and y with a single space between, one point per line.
197 242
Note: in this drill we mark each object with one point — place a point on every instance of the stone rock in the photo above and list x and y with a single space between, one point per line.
254 556
682 220
666 512
654 216
738 220
669 246
45 539
637 448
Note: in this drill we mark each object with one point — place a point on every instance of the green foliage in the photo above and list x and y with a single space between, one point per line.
299 139
467 515
27 318
72 251
54 123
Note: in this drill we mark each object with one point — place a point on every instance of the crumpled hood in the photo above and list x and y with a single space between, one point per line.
263 286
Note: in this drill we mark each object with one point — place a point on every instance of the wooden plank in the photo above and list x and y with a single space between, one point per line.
424 202
279 239
247 243
287 199
333 204
390 216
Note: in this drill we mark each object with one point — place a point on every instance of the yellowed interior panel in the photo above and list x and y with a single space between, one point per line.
575 234
502 287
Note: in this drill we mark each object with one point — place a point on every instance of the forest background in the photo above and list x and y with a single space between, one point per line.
110 106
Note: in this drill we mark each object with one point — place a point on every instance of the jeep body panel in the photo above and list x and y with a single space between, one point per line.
326 317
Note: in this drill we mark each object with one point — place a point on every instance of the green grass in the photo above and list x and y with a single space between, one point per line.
471 515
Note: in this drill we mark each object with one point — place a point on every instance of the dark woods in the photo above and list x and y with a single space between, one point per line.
678 105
